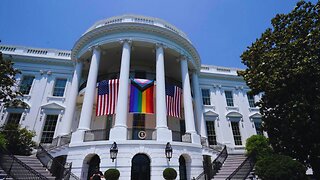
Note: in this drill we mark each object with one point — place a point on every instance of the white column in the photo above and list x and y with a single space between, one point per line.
163 133
119 131
87 106
187 102
198 105
72 98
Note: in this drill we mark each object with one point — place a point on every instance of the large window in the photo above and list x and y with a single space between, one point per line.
211 133
251 100
257 124
229 98
59 87
26 84
14 118
206 96
49 128
138 125
236 133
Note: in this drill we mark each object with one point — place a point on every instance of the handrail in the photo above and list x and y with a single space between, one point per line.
243 170
96 135
17 169
47 160
216 164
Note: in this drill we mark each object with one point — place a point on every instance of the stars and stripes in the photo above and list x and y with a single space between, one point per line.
173 97
107 97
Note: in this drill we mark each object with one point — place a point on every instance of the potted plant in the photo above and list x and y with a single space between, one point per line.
169 174
112 174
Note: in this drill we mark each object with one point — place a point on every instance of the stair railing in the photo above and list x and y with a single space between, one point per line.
243 170
16 168
218 162
47 161
216 165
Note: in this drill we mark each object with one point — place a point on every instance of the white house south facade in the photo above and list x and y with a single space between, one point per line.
157 92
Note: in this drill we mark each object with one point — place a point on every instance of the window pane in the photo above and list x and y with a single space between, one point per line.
26 84
59 87
258 127
206 96
236 133
211 133
49 128
251 100
229 98
14 118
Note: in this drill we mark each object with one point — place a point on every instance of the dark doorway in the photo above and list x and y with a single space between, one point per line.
94 165
140 169
182 168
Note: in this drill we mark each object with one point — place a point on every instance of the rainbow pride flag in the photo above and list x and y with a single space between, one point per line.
141 96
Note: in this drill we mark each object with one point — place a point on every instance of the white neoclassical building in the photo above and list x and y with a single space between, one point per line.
211 106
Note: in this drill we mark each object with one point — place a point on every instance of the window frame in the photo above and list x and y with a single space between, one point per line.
229 101
44 126
64 89
237 142
211 137
251 101
11 113
206 99
31 85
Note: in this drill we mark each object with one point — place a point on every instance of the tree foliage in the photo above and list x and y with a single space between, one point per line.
279 167
3 141
284 65
19 140
258 146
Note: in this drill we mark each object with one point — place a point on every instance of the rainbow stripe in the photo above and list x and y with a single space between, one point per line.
141 101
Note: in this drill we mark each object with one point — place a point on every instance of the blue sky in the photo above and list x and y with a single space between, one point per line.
219 29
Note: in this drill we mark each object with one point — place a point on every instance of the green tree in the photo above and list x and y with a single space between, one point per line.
284 65
3 141
19 140
279 167
7 81
258 146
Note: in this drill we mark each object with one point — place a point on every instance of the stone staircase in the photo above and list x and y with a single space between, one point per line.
232 162
3 175
33 163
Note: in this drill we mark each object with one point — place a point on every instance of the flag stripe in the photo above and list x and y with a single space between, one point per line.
107 97
173 104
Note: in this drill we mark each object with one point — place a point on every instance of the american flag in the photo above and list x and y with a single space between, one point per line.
107 97
173 96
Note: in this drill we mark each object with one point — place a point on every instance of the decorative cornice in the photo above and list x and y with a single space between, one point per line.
124 27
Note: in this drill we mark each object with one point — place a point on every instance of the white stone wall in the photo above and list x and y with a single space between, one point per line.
80 155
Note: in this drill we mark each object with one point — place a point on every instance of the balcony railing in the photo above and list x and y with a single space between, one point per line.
141 134
96 135
134 134
181 136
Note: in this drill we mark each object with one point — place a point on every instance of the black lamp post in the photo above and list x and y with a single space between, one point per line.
168 151
113 151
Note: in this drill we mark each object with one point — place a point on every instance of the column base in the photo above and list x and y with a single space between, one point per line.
164 134
118 133
77 136
195 138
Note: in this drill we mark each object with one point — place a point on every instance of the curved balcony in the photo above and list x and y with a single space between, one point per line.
134 134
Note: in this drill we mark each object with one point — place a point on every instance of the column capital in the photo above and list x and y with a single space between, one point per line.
95 47
182 57
158 45
122 41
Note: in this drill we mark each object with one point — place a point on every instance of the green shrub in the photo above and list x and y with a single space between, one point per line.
112 174
19 140
169 174
279 167
258 146
3 141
